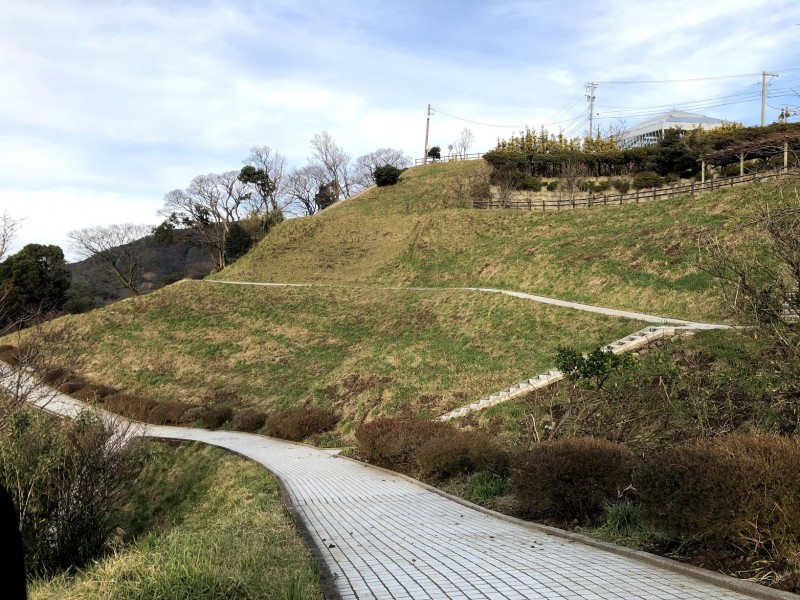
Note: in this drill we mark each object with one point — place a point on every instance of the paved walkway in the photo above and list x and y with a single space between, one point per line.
382 536
613 312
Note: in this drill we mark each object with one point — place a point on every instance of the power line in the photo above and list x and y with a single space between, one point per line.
690 79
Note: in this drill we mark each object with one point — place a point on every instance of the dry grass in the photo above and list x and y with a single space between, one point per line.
362 352
637 257
207 524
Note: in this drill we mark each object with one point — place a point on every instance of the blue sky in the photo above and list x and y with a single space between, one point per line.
105 106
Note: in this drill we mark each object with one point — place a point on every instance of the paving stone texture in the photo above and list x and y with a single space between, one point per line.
382 536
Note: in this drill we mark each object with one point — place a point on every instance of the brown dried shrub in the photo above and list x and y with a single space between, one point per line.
571 478
10 355
132 407
740 490
93 391
299 423
249 420
395 441
167 413
216 416
458 452
56 375
71 385
193 415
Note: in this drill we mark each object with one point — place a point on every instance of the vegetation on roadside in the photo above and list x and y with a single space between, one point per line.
203 524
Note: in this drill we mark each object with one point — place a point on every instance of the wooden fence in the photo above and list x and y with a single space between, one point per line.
637 197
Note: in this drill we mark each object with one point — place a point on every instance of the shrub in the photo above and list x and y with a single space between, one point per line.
531 183
602 186
193 415
394 441
552 186
249 420
167 413
742 490
56 376
596 366
10 354
171 278
671 178
435 153
454 452
299 423
571 478
386 175
216 416
647 179
132 407
621 185
93 392
71 385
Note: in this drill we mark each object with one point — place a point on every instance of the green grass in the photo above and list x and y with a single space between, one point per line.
204 524
362 351
417 233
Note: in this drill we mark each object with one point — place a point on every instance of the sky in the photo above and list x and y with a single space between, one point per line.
107 105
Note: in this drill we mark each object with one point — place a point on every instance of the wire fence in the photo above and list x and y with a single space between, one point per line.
553 201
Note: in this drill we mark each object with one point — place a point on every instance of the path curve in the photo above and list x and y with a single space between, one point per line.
381 535
613 312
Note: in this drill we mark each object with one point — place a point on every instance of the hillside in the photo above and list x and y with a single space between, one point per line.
636 257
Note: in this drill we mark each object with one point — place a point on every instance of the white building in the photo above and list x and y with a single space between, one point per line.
649 132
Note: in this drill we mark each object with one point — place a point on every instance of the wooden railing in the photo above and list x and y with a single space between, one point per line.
551 201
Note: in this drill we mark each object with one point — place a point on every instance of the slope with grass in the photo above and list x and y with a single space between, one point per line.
362 351
420 233
203 524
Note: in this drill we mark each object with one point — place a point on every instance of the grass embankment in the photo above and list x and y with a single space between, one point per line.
203 524
420 233
363 352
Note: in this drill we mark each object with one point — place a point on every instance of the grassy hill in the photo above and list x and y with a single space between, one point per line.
362 351
636 257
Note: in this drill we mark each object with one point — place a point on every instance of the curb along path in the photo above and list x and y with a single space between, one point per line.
383 536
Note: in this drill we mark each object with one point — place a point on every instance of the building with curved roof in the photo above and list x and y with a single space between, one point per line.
649 132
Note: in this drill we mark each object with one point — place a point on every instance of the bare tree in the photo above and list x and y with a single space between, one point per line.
335 161
118 250
464 142
210 205
8 231
364 167
573 173
302 186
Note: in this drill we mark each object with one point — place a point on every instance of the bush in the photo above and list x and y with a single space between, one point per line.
394 441
56 376
386 175
602 186
10 355
167 413
93 392
216 416
647 179
533 184
249 420
71 385
455 452
193 415
741 490
299 423
70 479
571 478
171 278
484 486
671 178
623 518
621 185
552 186
129 406
596 366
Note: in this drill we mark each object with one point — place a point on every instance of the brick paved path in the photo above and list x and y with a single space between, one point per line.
382 536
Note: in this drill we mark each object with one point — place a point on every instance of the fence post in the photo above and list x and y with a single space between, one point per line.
637 196
543 208
712 184
654 193
692 192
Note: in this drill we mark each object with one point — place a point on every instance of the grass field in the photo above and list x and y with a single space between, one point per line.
364 352
636 257
204 524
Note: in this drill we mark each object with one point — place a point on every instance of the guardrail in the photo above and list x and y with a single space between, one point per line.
450 158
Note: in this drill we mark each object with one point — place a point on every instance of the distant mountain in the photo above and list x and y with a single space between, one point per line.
163 264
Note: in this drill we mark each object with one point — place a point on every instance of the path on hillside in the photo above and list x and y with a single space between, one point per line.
382 536
612 312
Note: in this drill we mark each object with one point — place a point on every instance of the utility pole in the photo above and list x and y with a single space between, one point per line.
590 88
427 129
764 75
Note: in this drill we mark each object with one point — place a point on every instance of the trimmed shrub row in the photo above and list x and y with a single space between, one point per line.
299 423
429 448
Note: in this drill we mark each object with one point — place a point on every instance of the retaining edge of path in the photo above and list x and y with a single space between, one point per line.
733 584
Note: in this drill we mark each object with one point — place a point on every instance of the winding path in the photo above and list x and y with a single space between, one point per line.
380 535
